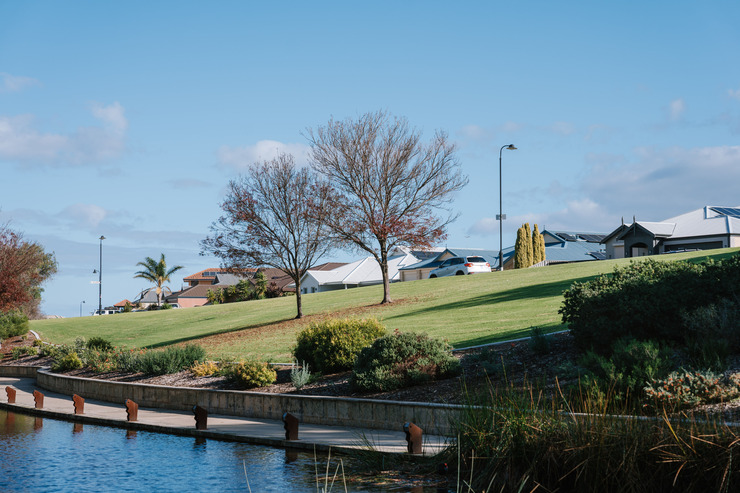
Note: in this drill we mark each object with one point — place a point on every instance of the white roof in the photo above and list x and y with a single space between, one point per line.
704 222
362 272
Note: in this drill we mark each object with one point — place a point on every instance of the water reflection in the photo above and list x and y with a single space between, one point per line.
101 458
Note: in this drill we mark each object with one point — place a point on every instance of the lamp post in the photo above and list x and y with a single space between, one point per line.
501 215
81 303
100 278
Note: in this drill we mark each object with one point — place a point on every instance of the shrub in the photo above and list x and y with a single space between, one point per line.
539 341
99 343
205 369
70 361
13 323
48 350
401 360
644 300
171 360
166 306
691 388
333 345
713 333
299 376
251 374
18 352
129 360
631 366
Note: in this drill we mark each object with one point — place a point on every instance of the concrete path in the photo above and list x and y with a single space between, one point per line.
220 427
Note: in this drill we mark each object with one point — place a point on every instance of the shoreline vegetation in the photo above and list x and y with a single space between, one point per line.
539 413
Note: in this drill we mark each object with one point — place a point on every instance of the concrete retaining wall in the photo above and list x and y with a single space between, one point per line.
18 371
362 413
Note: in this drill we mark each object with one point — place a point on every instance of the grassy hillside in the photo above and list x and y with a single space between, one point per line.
467 311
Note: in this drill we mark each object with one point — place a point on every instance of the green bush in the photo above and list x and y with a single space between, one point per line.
70 361
630 367
99 343
13 323
713 333
48 350
402 360
539 341
18 352
644 300
171 360
333 345
251 374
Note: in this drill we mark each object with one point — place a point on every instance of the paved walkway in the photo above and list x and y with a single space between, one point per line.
221 427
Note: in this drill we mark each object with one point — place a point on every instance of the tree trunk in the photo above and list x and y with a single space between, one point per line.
386 279
298 299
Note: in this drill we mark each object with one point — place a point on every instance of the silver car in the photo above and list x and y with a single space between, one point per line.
459 266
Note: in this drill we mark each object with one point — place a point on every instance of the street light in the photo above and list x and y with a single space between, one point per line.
100 278
81 303
501 215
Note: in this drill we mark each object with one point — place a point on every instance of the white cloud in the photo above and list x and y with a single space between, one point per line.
676 109
86 215
562 128
239 158
577 215
734 93
16 83
662 183
22 142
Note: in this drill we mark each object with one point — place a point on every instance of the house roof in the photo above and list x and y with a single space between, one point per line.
197 291
211 273
575 236
122 304
149 295
707 221
362 272
572 251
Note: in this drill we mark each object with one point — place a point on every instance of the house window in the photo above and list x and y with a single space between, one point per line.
313 289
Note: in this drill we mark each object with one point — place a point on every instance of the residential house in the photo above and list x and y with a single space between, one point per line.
218 278
148 297
701 229
363 272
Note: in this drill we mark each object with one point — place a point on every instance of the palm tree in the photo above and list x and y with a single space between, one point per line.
157 273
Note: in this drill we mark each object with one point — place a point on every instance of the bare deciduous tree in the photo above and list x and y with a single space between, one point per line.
266 221
389 186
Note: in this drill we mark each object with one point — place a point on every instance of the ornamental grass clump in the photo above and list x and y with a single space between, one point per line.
402 360
332 346
171 360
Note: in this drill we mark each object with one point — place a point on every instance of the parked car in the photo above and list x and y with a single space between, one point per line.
459 266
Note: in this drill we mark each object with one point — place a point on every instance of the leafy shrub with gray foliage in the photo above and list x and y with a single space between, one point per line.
402 360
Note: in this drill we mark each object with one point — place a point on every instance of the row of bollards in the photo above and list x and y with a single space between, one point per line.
290 423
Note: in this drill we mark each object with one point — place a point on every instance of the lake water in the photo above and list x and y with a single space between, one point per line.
42 454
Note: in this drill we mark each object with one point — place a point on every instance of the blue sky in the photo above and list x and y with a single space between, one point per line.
127 119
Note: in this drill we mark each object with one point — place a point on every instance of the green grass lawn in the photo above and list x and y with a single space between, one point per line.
466 311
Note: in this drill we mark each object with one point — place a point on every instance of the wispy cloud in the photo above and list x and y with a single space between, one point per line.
16 83
676 109
734 93
22 142
239 158
188 183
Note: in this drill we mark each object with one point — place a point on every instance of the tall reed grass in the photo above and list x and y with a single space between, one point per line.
519 440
